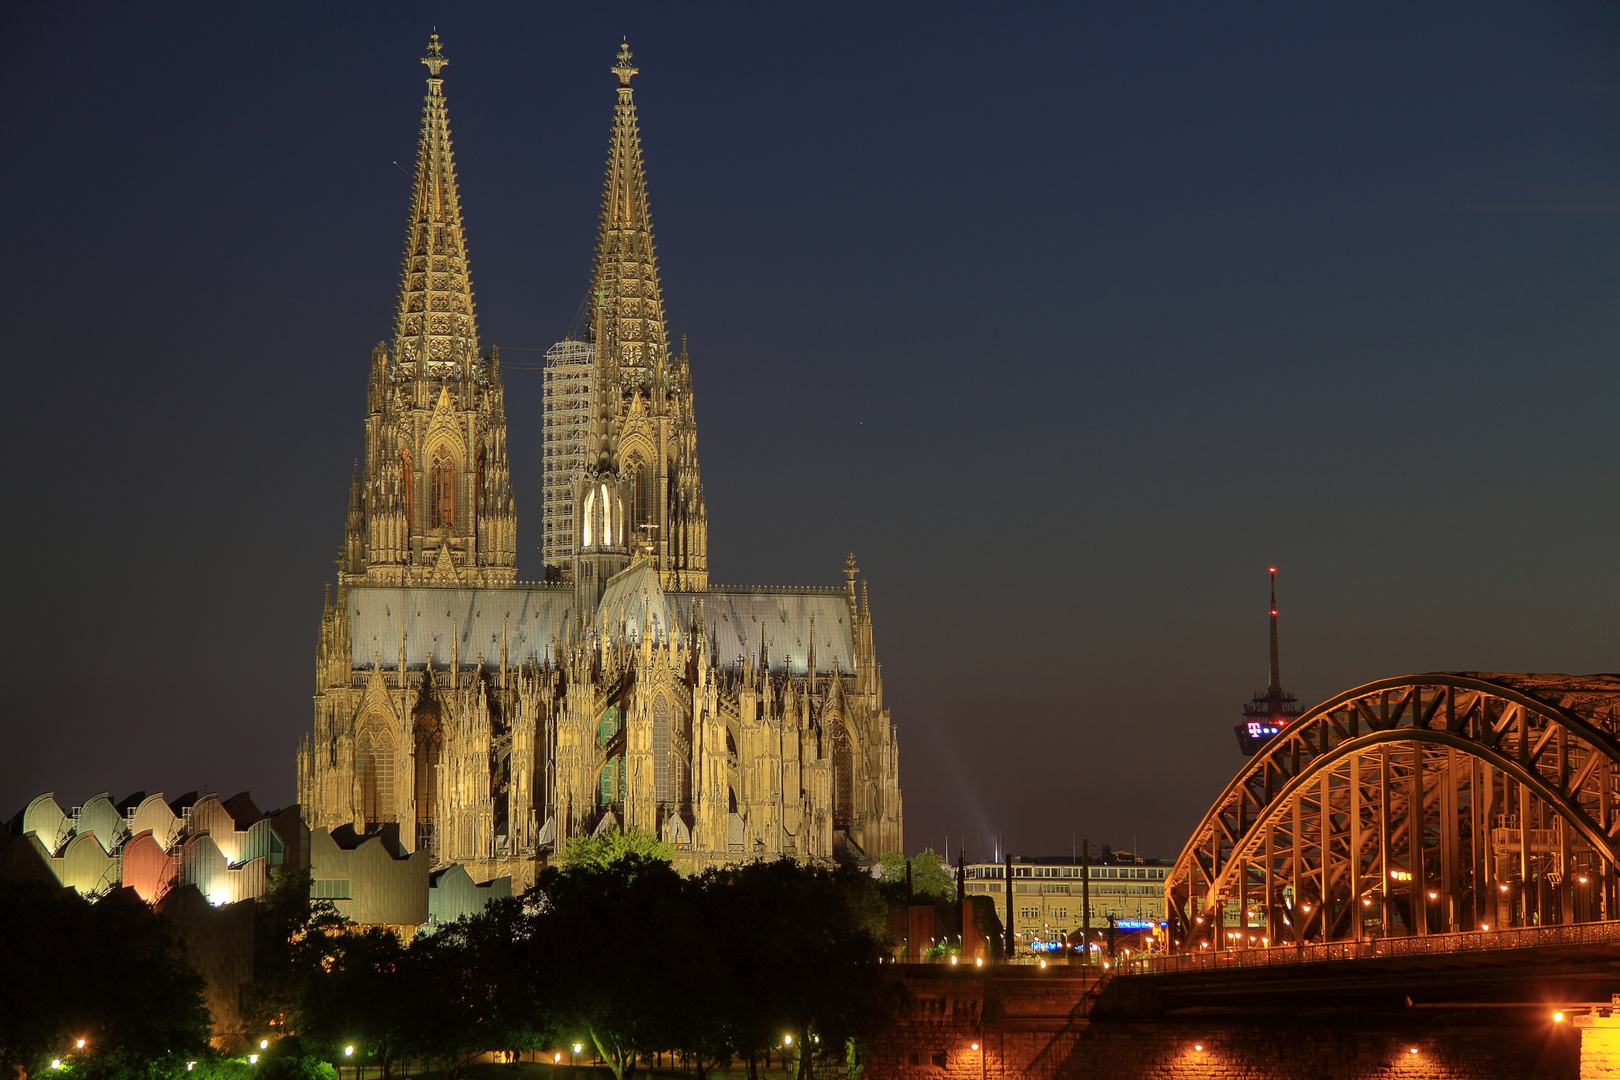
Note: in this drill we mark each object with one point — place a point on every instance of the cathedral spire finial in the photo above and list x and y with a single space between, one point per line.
434 59
623 69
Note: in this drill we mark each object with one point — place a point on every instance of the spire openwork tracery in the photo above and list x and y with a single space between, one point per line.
625 284
435 319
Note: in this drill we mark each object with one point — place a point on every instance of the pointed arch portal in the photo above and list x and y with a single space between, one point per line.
1414 805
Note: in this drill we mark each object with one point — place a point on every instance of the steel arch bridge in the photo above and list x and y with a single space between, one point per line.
1421 804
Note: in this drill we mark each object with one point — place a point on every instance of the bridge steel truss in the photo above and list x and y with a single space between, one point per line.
1414 805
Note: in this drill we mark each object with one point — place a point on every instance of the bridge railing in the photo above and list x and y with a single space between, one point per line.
1522 937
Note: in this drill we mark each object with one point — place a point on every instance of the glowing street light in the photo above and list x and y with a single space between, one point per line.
264 1044
79 1045
56 1063
1558 1018
348 1051
253 1059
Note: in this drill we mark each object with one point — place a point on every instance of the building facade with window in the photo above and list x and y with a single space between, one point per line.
491 720
1049 893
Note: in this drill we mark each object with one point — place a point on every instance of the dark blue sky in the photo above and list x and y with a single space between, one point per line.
1069 321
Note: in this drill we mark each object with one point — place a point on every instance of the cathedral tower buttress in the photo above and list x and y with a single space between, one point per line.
434 504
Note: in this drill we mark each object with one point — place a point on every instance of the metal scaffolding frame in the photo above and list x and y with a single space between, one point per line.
565 422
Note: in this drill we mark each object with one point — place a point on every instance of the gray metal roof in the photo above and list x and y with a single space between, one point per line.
735 619
534 618
634 602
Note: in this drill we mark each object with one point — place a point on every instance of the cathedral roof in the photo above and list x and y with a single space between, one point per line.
737 620
786 619
429 619
633 602
435 318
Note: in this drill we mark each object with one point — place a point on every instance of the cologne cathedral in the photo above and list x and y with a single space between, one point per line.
485 720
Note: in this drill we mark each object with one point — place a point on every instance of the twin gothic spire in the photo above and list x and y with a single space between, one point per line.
627 303
436 318
435 321
435 492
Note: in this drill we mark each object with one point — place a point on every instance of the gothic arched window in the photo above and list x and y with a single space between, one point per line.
663 764
607 518
374 767
590 510
478 486
442 491
843 776
429 741
643 499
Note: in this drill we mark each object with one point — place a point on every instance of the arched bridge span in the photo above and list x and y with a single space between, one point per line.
1415 805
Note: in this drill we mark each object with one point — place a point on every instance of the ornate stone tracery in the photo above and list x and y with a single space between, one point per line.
492 721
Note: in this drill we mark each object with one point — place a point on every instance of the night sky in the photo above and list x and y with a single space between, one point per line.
1068 322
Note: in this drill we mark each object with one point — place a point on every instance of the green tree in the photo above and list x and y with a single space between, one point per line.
285 954
464 991
358 997
108 972
597 939
801 944
602 851
932 882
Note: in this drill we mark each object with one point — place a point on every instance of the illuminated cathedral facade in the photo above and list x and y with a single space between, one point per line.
489 720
